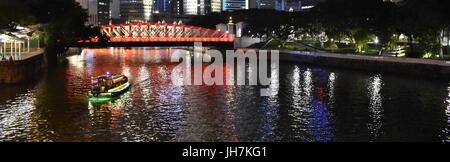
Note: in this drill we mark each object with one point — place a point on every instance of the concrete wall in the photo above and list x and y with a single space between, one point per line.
431 70
244 42
21 71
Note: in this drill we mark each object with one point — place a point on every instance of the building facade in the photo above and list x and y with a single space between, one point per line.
136 10
262 4
162 6
91 7
83 3
115 9
232 5
103 11
279 5
201 7
99 11
177 7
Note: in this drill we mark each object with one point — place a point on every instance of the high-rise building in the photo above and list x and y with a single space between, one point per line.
162 6
262 4
136 10
215 6
232 5
115 9
201 7
177 7
91 8
280 5
83 3
103 11
98 11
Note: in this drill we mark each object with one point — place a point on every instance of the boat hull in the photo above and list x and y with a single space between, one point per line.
111 94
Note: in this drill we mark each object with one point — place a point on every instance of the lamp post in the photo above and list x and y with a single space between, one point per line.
20 50
28 46
4 49
322 39
15 49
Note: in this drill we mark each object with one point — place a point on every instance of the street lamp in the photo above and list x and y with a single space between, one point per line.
322 39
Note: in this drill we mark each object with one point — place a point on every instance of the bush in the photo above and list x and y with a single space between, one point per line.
331 45
414 51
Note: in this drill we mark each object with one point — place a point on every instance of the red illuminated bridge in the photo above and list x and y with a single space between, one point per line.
160 34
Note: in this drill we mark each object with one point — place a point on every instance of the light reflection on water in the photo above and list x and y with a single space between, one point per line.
448 99
306 104
309 108
376 105
447 112
16 120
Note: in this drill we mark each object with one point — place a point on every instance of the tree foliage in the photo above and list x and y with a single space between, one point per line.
357 20
13 13
62 21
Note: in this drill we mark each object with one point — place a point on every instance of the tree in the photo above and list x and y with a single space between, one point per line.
64 24
271 25
423 22
355 19
13 13
265 24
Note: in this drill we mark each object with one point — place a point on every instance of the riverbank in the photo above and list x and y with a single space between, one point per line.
25 67
382 64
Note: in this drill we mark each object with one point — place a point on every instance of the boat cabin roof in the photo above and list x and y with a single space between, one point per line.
112 76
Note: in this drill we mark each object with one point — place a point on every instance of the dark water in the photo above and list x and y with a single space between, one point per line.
313 104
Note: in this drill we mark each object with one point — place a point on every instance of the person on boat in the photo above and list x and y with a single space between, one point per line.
105 83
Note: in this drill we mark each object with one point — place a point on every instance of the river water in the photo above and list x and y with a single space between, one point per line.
311 104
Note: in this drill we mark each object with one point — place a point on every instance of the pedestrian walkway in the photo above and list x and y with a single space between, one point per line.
20 55
370 58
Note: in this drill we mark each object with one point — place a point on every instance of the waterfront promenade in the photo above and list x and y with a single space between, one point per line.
383 64
17 68
22 55
370 58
